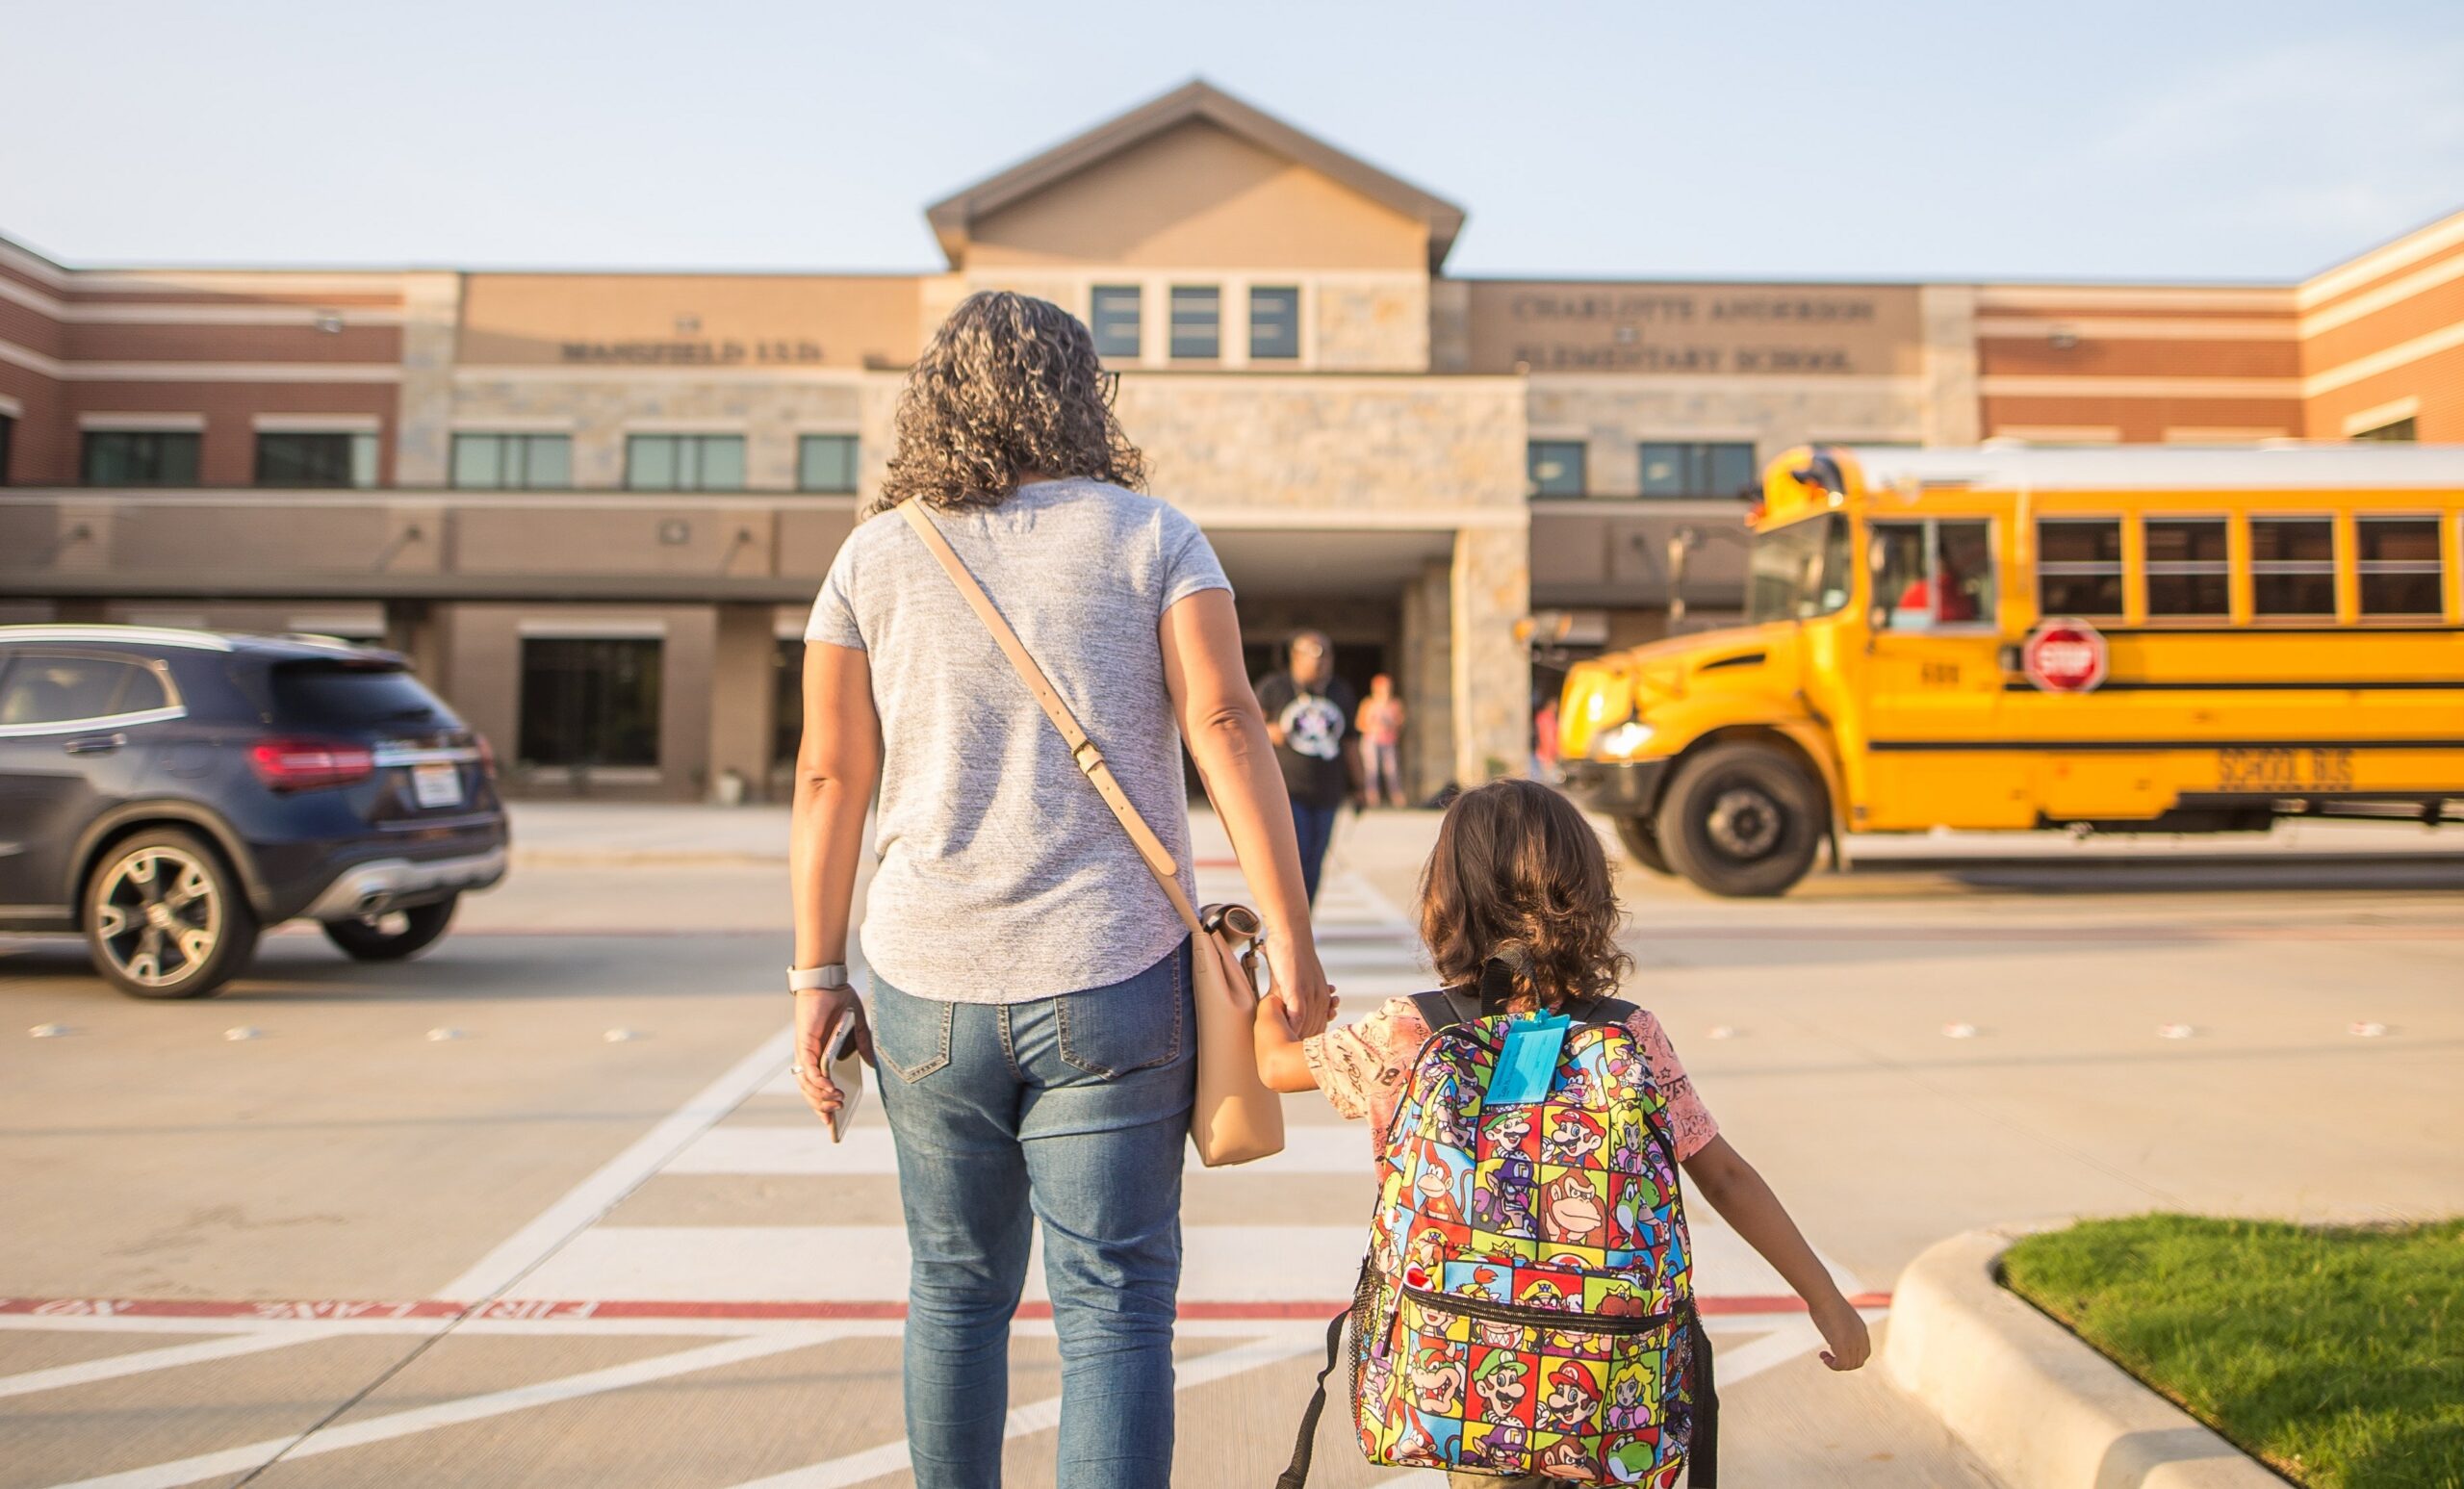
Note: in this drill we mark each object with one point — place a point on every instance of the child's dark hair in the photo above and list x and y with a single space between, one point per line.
1519 876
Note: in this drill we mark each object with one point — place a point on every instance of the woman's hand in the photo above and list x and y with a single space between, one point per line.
1843 1329
1296 982
817 1012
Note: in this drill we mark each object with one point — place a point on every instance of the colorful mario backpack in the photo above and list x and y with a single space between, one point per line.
1527 1305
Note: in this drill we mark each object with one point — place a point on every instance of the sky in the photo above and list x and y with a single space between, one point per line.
2258 140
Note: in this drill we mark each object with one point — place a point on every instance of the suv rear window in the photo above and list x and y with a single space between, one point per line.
351 693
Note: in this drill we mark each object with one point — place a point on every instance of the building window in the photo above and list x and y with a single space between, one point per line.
590 701
2293 566
317 459
826 462
2079 566
1197 322
1696 469
513 462
2404 430
2188 570
8 428
1113 319
684 462
2400 566
1274 322
1556 467
137 457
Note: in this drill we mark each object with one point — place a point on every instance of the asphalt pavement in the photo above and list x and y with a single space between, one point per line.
538 1208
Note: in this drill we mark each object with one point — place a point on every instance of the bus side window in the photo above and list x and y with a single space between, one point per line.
1903 595
1933 573
2079 567
1963 574
2187 569
2400 566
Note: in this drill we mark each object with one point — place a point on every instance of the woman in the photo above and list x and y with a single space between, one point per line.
1031 1016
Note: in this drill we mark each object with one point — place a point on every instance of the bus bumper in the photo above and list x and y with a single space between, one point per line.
1617 789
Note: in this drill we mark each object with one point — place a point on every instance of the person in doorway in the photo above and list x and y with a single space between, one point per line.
1309 713
1031 1005
1380 723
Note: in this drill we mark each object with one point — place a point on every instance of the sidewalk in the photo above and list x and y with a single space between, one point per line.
560 832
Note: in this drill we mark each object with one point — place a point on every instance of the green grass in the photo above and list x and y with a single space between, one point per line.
2336 1355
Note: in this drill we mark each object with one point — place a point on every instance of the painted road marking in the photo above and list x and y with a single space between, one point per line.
453 1413
582 1205
141 1361
868 1264
1042 1415
807 1151
655 1316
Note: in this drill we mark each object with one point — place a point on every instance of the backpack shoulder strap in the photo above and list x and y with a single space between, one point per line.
1150 848
1443 1008
1608 1013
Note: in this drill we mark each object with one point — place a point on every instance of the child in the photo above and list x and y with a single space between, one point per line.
1519 876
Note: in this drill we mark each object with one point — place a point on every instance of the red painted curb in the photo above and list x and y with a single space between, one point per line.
331 1309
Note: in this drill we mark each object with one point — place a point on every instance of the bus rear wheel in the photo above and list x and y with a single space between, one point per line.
1741 820
1641 840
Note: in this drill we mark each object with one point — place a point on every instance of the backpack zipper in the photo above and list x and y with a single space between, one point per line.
1561 1320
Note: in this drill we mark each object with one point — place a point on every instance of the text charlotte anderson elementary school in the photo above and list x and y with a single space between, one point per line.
592 507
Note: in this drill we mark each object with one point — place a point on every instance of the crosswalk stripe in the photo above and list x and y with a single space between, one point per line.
805 1151
1040 1416
869 1264
468 1408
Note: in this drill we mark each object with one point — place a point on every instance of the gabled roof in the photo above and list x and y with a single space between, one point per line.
1197 99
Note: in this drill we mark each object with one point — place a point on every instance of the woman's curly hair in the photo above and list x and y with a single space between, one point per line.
1519 876
1010 386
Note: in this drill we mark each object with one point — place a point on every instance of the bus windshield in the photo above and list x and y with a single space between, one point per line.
1798 572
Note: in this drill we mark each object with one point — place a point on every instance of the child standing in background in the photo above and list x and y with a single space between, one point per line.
1380 725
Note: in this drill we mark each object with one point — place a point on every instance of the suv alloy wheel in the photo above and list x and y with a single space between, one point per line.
164 918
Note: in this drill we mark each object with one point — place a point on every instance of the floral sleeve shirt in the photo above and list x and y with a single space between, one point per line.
1362 1066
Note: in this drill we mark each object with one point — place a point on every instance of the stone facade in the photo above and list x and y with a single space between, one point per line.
1612 415
1364 325
1401 449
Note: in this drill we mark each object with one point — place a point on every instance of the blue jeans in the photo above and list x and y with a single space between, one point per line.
1077 1106
1314 827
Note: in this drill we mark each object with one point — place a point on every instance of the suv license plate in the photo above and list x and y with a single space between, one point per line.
437 784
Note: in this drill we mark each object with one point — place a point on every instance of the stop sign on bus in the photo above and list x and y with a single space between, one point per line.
2063 656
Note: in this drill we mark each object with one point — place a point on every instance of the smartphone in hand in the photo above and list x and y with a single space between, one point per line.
846 1071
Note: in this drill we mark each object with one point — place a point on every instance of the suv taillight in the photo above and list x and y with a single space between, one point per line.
294 765
487 757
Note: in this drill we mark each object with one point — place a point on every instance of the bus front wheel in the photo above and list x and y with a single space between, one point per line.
1741 820
1641 839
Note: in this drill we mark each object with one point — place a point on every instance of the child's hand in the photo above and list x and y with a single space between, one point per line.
1843 1329
1282 1063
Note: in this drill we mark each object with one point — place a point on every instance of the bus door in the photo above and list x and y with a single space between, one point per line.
1932 678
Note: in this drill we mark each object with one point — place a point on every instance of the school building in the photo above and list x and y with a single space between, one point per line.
593 507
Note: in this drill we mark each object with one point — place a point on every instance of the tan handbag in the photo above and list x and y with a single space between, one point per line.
1236 1118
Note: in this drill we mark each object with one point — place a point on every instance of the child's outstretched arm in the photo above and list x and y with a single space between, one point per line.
1721 1175
1281 1063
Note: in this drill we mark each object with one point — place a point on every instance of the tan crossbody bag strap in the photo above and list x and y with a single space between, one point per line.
1091 760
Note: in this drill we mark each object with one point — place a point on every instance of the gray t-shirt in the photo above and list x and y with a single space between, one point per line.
1004 877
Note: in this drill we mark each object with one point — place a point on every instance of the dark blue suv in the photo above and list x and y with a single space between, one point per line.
170 793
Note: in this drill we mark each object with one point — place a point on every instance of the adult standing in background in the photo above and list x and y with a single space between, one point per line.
1031 1011
1380 722
1309 713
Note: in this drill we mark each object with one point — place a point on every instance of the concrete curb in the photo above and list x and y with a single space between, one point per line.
2040 1408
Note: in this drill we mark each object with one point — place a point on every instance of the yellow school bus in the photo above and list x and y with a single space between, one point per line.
2161 639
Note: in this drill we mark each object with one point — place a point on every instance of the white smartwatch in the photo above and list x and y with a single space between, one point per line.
828 977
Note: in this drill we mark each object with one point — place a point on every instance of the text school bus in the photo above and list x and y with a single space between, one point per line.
2166 640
